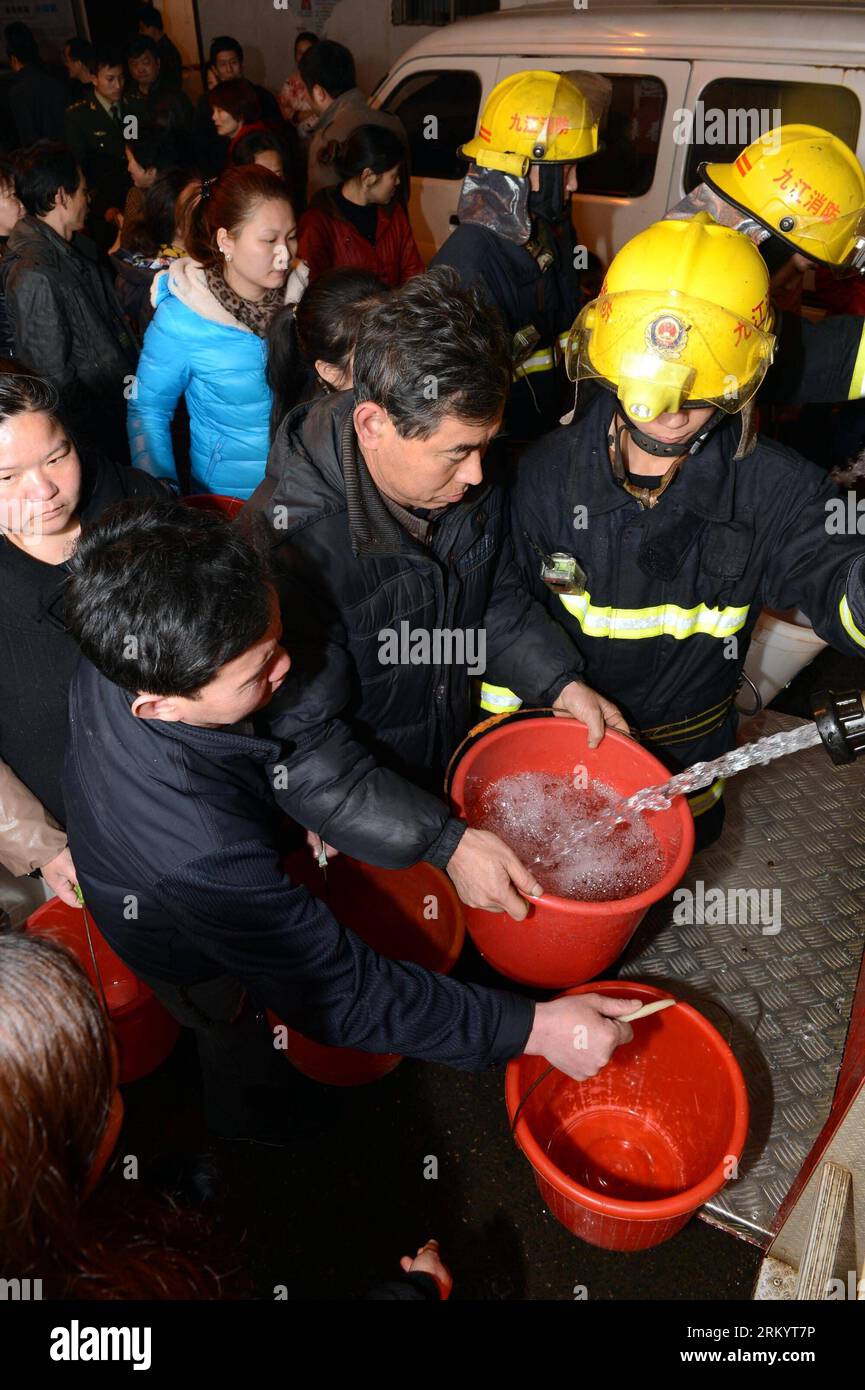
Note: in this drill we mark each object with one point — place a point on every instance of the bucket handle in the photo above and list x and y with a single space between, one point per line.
97 972
745 679
508 716
542 1076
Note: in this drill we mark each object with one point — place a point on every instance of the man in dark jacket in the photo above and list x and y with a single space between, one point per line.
171 63
65 318
398 584
173 827
36 99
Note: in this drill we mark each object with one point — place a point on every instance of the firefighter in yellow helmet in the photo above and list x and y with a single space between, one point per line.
656 526
515 239
798 192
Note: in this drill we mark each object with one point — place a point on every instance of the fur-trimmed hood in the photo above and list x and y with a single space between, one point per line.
187 281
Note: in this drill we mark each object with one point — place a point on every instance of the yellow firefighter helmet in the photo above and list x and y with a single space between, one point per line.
683 319
804 185
538 118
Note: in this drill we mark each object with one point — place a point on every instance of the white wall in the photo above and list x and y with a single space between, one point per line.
268 33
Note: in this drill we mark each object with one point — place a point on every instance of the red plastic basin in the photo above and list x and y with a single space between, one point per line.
563 941
624 1159
389 909
145 1031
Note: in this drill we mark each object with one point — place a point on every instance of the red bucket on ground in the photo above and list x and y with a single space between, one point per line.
563 941
624 1159
406 914
144 1030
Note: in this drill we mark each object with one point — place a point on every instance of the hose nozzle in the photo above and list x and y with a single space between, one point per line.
840 719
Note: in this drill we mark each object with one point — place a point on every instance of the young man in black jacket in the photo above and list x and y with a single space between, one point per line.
399 585
173 828
66 321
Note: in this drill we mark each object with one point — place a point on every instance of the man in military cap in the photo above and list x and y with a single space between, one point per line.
96 129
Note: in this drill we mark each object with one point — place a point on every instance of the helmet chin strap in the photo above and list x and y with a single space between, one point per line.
670 451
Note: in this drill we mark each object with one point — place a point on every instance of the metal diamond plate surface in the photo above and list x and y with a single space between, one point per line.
781 998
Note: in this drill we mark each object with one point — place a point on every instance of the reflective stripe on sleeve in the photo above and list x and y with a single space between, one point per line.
850 627
857 380
498 699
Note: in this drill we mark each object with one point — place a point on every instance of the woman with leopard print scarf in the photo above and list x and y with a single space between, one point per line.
207 339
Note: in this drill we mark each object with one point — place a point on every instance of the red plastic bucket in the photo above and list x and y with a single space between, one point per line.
625 1159
563 941
214 502
144 1030
390 909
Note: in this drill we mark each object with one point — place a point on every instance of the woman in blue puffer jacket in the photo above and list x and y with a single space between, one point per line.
206 340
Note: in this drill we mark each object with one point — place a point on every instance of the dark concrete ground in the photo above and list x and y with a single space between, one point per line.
332 1212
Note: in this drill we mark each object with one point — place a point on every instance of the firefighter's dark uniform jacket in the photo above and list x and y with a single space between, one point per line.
816 363
549 300
672 593
366 739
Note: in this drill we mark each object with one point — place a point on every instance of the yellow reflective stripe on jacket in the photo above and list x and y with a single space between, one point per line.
703 801
542 361
849 626
667 620
857 380
498 699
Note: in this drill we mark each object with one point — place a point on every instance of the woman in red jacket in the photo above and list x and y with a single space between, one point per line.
359 223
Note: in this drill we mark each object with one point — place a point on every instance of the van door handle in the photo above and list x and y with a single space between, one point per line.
454 220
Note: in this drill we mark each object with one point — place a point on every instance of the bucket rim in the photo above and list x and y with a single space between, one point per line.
662 1208
637 902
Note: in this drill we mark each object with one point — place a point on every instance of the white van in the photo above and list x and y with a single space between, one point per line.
806 61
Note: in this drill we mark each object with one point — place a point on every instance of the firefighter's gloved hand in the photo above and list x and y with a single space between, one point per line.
487 874
579 1034
598 714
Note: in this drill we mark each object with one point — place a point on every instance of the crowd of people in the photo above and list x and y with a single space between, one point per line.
229 300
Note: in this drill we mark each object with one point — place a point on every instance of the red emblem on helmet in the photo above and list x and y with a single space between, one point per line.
667 334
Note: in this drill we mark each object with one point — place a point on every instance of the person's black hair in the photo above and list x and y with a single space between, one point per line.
433 349
149 14
109 55
238 97
158 221
330 66
156 145
305 36
224 43
20 43
191 590
80 51
372 147
323 327
248 146
23 392
139 45
41 171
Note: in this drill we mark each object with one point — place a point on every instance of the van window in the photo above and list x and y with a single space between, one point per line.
749 108
625 165
437 11
439 111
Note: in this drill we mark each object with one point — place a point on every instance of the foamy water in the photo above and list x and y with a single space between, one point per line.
538 815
